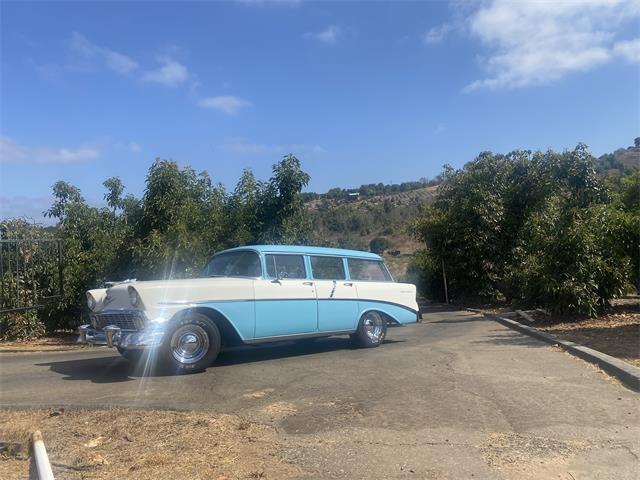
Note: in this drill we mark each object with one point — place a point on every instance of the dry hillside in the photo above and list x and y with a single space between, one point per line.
353 223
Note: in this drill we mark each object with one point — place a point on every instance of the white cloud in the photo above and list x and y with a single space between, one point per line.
241 146
329 36
628 49
437 34
118 62
170 74
12 152
225 103
535 43
28 208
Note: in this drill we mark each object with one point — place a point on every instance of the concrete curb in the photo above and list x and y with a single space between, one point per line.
627 374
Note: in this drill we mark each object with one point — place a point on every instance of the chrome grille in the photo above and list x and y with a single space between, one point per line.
125 319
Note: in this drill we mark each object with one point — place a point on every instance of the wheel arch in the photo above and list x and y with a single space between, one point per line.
228 333
388 317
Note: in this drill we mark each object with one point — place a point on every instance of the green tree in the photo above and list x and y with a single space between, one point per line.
64 195
522 227
113 197
244 210
284 216
182 221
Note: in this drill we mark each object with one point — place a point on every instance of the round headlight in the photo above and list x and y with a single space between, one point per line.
91 302
134 297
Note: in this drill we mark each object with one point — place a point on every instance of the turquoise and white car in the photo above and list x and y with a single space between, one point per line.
248 295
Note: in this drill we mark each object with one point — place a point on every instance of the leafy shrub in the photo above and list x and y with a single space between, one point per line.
21 326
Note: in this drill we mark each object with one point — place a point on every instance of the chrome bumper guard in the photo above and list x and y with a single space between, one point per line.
113 336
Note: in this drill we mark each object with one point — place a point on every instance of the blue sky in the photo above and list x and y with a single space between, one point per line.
361 92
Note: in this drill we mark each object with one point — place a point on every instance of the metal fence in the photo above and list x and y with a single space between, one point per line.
31 273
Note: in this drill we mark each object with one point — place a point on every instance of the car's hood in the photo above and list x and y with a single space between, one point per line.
166 292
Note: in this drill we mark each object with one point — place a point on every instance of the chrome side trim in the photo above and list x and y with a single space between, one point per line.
206 302
297 336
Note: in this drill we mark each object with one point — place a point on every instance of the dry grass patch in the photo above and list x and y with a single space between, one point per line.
149 444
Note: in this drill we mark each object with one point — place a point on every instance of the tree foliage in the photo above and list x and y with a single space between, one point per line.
181 219
539 228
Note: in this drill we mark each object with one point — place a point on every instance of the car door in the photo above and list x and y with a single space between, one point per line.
286 298
337 296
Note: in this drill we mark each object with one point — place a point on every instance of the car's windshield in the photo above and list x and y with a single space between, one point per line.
234 264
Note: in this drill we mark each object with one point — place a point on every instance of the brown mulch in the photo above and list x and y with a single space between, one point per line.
120 443
616 332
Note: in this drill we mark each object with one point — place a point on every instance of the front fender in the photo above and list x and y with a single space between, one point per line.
235 320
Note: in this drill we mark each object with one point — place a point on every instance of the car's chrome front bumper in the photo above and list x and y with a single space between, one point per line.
113 336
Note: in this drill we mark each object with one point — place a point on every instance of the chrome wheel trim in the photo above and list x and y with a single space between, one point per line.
372 324
189 344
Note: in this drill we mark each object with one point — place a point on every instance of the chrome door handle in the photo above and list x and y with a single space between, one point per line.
307 283
348 284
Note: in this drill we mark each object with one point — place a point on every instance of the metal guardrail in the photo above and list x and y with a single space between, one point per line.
31 273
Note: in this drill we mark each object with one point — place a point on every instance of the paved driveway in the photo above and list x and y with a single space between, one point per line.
458 396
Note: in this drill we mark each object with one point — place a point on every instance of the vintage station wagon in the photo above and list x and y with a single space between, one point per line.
249 295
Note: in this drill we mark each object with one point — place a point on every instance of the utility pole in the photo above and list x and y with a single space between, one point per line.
444 279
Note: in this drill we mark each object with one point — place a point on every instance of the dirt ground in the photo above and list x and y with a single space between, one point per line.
59 342
119 443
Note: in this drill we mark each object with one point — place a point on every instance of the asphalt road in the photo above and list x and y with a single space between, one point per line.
458 396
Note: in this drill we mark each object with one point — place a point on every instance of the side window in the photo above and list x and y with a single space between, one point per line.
327 268
285 266
234 264
368 270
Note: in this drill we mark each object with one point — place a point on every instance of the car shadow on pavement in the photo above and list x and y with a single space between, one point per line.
273 351
97 370
114 369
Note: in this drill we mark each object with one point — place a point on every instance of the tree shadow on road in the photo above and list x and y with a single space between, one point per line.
511 338
273 351
459 320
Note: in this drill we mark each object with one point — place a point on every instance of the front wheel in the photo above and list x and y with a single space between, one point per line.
191 344
372 329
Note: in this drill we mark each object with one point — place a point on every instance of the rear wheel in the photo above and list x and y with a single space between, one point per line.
191 344
372 329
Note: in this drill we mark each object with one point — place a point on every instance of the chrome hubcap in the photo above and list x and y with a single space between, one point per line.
189 344
372 324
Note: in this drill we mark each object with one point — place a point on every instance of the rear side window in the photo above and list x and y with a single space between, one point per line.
285 266
327 268
368 270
